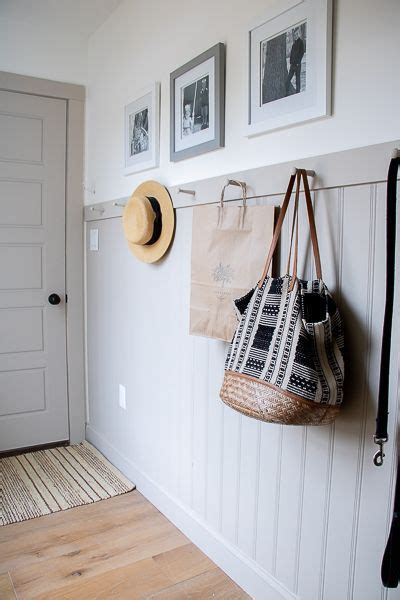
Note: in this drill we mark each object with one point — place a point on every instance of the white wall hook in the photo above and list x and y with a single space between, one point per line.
309 172
95 209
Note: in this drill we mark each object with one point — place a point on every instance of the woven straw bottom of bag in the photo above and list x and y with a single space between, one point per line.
265 402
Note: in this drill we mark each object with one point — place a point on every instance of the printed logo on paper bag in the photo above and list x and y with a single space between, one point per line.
222 274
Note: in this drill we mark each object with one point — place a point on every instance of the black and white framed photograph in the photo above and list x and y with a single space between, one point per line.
142 125
290 66
198 105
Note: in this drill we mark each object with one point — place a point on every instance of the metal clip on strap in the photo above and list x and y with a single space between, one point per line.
379 454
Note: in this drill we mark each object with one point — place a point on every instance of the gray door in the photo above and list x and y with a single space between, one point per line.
33 382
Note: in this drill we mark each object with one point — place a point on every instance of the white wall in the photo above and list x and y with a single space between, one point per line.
144 40
291 513
40 50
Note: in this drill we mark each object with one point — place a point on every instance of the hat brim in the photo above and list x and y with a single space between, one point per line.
154 252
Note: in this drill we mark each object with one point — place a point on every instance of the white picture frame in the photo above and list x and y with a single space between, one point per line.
142 130
295 39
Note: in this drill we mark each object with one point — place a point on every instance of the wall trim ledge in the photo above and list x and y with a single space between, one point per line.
243 570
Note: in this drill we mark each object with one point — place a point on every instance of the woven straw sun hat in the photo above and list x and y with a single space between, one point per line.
149 221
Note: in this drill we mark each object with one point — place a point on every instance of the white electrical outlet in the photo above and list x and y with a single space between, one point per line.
94 240
122 396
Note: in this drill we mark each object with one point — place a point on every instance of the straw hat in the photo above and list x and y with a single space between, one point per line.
149 221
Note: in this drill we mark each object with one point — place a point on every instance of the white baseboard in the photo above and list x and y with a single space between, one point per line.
257 582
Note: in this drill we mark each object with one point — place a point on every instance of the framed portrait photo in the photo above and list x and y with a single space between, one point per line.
198 105
142 127
290 66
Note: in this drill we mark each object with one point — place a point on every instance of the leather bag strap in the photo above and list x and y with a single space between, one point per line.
277 231
313 229
313 232
295 228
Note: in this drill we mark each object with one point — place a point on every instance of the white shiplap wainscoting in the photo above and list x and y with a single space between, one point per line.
288 512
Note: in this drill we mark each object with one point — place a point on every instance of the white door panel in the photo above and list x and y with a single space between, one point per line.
33 388
22 135
21 203
22 391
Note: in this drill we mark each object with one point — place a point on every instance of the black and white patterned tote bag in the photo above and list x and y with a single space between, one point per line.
285 362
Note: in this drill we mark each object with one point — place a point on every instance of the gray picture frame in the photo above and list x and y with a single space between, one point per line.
217 52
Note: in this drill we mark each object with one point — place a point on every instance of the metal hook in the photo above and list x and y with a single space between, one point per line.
241 184
122 204
190 192
236 182
309 172
379 455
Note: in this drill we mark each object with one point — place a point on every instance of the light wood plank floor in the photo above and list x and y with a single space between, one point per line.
117 548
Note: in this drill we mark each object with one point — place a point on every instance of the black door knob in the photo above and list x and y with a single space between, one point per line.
54 299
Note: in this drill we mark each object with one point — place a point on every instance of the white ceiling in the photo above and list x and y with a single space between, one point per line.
81 16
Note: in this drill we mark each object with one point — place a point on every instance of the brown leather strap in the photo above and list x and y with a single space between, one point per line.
296 243
311 221
301 173
295 227
278 228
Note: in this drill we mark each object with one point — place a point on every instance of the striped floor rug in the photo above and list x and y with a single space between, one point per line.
46 481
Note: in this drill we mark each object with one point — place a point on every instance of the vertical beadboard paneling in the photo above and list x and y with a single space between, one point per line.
268 495
369 291
372 534
232 430
373 479
214 450
290 492
199 392
356 305
305 504
319 449
249 473
184 358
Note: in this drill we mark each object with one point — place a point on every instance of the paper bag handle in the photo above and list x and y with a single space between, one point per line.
241 184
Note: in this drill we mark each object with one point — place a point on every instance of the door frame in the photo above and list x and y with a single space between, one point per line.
74 95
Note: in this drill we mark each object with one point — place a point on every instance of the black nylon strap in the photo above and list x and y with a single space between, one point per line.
382 414
390 571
